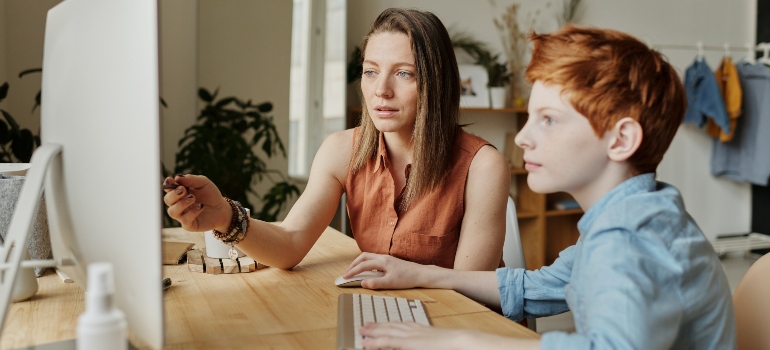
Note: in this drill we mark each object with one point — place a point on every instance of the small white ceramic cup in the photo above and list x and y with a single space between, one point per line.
25 285
218 250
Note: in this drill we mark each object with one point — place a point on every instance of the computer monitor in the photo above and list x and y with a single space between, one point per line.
100 155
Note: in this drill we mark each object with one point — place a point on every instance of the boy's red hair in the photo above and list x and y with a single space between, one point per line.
608 75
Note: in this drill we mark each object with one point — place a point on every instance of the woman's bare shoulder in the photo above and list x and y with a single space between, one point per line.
335 152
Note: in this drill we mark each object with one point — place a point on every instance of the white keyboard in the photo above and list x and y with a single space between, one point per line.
355 310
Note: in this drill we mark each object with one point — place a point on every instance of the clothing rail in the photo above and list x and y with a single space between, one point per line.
750 50
758 47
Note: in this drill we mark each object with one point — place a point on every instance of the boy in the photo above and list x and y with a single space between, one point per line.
603 110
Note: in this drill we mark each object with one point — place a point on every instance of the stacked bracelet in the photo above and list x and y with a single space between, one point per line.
239 225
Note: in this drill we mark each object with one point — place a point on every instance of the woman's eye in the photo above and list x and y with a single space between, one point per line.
403 74
548 120
368 73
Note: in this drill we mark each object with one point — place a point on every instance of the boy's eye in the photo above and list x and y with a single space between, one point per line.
548 120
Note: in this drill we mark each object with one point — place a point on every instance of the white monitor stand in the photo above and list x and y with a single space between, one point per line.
99 162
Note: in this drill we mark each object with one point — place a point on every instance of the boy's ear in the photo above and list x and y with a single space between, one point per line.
626 138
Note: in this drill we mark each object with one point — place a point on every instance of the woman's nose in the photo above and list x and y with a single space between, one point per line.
383 89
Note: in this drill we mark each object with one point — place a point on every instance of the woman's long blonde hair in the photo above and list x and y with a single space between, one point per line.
438 106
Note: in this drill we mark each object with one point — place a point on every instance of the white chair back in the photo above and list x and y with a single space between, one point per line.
513 253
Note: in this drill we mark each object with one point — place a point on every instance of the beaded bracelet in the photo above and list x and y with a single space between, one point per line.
239 225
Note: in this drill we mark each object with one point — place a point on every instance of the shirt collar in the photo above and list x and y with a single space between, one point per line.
382 154
636 184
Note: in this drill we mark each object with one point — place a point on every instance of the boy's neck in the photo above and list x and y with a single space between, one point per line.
614 175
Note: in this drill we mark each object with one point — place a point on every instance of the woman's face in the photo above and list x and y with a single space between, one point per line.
389 82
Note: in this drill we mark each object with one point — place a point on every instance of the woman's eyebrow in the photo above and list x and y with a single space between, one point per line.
397 64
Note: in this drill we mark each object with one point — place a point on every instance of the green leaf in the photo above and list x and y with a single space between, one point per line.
22 146
3 91
205 95
11 121
38 98
265 107
5 134
225 101
29 71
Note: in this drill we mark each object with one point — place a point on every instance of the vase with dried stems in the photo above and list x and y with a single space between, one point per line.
514 39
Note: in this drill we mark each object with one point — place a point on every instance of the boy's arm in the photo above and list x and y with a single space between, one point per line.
627 296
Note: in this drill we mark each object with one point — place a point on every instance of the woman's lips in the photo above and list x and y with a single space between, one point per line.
385 111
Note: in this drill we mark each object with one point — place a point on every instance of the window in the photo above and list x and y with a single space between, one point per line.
318 85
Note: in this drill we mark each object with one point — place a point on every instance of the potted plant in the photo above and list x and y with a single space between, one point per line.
497 72
16 143
224 143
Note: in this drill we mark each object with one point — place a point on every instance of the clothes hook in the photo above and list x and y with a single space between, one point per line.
700 50
750 53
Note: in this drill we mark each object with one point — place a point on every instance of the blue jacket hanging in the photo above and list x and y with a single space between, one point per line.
703 97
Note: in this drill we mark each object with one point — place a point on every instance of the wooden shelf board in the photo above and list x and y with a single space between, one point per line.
492 110
564 212
472 110
526 214
518 171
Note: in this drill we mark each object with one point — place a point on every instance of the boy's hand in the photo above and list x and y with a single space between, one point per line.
410 335
399 274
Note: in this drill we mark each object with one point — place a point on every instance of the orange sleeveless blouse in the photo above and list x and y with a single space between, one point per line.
429 230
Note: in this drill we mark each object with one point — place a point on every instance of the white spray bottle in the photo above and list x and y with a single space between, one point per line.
102 325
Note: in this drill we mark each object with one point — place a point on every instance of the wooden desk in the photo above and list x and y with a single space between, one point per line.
269 308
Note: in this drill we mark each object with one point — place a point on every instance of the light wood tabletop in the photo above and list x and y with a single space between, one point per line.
267 308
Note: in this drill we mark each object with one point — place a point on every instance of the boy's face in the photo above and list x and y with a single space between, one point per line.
561 150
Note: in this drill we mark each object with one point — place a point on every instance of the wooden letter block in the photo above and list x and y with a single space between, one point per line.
229 265
212 265
247 264
195 261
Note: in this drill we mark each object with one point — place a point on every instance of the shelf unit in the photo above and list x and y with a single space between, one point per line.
544 231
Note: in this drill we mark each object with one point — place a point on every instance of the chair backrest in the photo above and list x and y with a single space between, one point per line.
752 307
513 253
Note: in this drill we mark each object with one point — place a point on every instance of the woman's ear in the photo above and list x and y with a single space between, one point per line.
626 138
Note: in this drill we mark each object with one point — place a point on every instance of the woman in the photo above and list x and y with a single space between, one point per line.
418 187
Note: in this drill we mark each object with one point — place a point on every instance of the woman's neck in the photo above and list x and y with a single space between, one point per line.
399 147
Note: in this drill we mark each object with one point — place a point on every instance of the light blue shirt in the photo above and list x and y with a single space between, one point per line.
744 158
641 276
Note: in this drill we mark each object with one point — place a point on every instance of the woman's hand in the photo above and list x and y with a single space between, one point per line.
399 274
197 204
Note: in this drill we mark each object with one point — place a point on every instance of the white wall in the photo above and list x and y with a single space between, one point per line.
23 28
244 48
719 206
178 28
3 34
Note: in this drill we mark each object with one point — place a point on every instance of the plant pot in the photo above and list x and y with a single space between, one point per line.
497 97
39 240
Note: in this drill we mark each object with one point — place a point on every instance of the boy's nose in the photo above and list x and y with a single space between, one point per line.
523 139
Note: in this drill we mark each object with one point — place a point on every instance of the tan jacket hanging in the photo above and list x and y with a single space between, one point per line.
730 87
